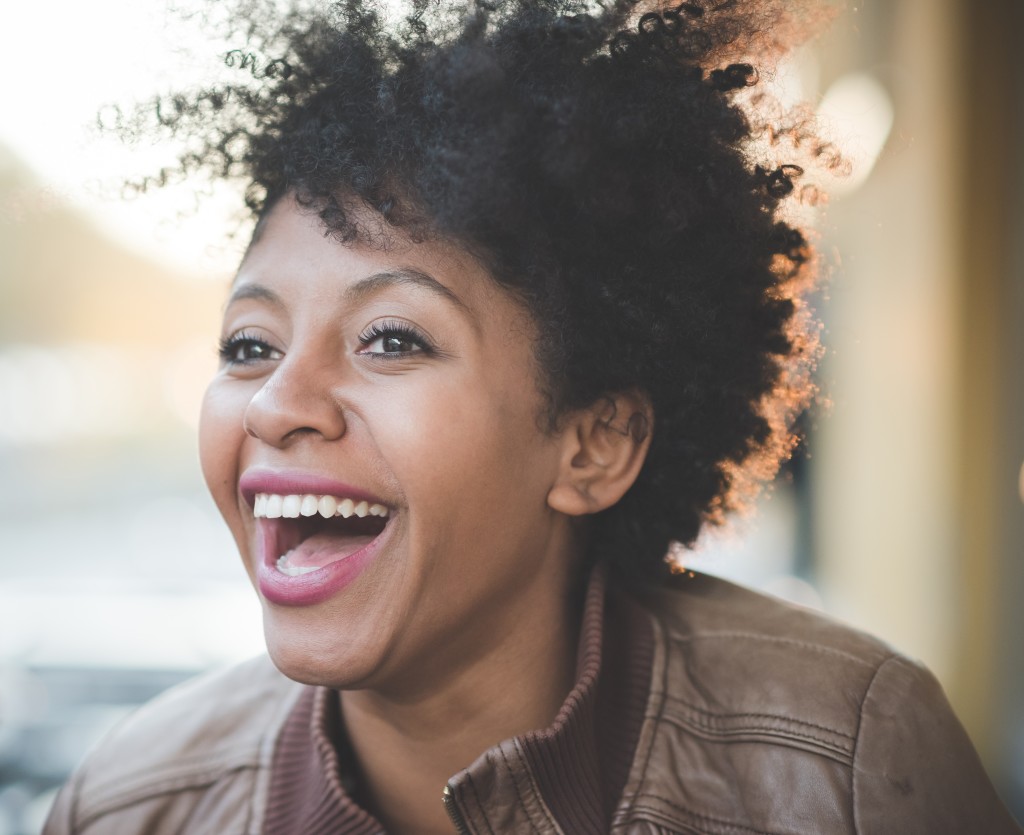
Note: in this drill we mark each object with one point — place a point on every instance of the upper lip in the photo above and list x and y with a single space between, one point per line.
292 482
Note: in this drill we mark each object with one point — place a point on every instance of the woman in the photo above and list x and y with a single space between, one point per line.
521 313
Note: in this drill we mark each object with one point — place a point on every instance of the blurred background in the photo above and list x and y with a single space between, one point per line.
903 515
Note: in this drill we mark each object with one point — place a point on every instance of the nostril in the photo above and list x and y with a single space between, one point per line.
248 424
298 432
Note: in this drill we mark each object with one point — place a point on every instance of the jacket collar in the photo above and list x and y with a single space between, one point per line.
565 778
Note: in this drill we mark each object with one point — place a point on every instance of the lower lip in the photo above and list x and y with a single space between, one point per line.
315 586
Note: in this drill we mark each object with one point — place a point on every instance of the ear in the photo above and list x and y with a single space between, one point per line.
603 449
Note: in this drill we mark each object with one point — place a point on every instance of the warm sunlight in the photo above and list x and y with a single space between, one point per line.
73 59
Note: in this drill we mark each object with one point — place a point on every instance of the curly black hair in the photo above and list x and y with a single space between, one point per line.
604 160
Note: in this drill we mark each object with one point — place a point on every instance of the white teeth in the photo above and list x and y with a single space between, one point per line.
274 506
290 507
293 570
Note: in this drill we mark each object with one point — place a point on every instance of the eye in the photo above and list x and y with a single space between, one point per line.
393 339
244 348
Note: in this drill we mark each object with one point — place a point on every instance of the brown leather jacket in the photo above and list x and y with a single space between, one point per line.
757 717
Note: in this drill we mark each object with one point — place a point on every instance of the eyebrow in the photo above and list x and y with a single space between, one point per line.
405 276
364 287
254 291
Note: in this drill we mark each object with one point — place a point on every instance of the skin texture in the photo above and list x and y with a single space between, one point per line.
462 631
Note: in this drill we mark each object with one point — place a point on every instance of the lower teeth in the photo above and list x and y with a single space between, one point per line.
293 570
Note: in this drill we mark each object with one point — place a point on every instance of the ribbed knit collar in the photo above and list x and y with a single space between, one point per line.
568 776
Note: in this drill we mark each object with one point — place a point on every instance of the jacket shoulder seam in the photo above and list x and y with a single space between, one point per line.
107 798
713 715
856 741
775 639
227 758
655 696
777 736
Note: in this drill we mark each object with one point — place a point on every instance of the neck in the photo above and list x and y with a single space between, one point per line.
408 743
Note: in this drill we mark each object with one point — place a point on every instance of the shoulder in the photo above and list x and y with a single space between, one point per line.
217 718
730 649
776 718
216 730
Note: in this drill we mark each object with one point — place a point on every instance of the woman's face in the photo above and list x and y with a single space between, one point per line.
399 385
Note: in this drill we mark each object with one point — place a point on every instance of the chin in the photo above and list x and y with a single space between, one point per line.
311 657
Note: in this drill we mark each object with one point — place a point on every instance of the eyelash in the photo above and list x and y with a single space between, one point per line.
229 346
396 329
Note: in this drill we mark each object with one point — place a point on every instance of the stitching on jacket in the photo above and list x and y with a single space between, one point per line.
515 785
156 788
841 755
198 771
696 816
706 636
535 790
803 722
856 741
660 693
185 771
476 796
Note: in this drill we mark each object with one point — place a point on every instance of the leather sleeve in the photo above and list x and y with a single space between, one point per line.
914 769
61 818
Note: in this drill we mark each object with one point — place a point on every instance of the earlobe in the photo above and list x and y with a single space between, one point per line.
604 448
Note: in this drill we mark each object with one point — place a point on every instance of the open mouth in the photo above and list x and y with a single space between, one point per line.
304 533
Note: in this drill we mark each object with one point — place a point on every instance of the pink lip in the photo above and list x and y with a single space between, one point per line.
316 586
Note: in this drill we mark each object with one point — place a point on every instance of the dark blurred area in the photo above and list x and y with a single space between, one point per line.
53 715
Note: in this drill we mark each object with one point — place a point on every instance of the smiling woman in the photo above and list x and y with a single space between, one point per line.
521 314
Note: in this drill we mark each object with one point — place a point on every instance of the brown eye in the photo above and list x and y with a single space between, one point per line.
397 345
242 349
393 339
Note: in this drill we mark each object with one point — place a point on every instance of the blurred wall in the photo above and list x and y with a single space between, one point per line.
919 524
991 373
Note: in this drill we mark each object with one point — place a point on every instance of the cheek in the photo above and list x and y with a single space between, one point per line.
220 437
471 452
442 432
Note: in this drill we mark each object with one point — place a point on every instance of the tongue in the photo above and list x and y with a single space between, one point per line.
324 548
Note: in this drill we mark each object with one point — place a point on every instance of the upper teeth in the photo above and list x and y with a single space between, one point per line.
274 506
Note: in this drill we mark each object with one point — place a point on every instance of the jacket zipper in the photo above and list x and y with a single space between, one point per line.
453 812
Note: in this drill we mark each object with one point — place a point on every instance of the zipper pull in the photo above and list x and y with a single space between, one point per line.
452 808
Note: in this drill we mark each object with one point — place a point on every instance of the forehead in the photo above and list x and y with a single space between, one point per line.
292 250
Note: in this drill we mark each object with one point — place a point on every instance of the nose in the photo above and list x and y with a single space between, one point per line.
299 399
